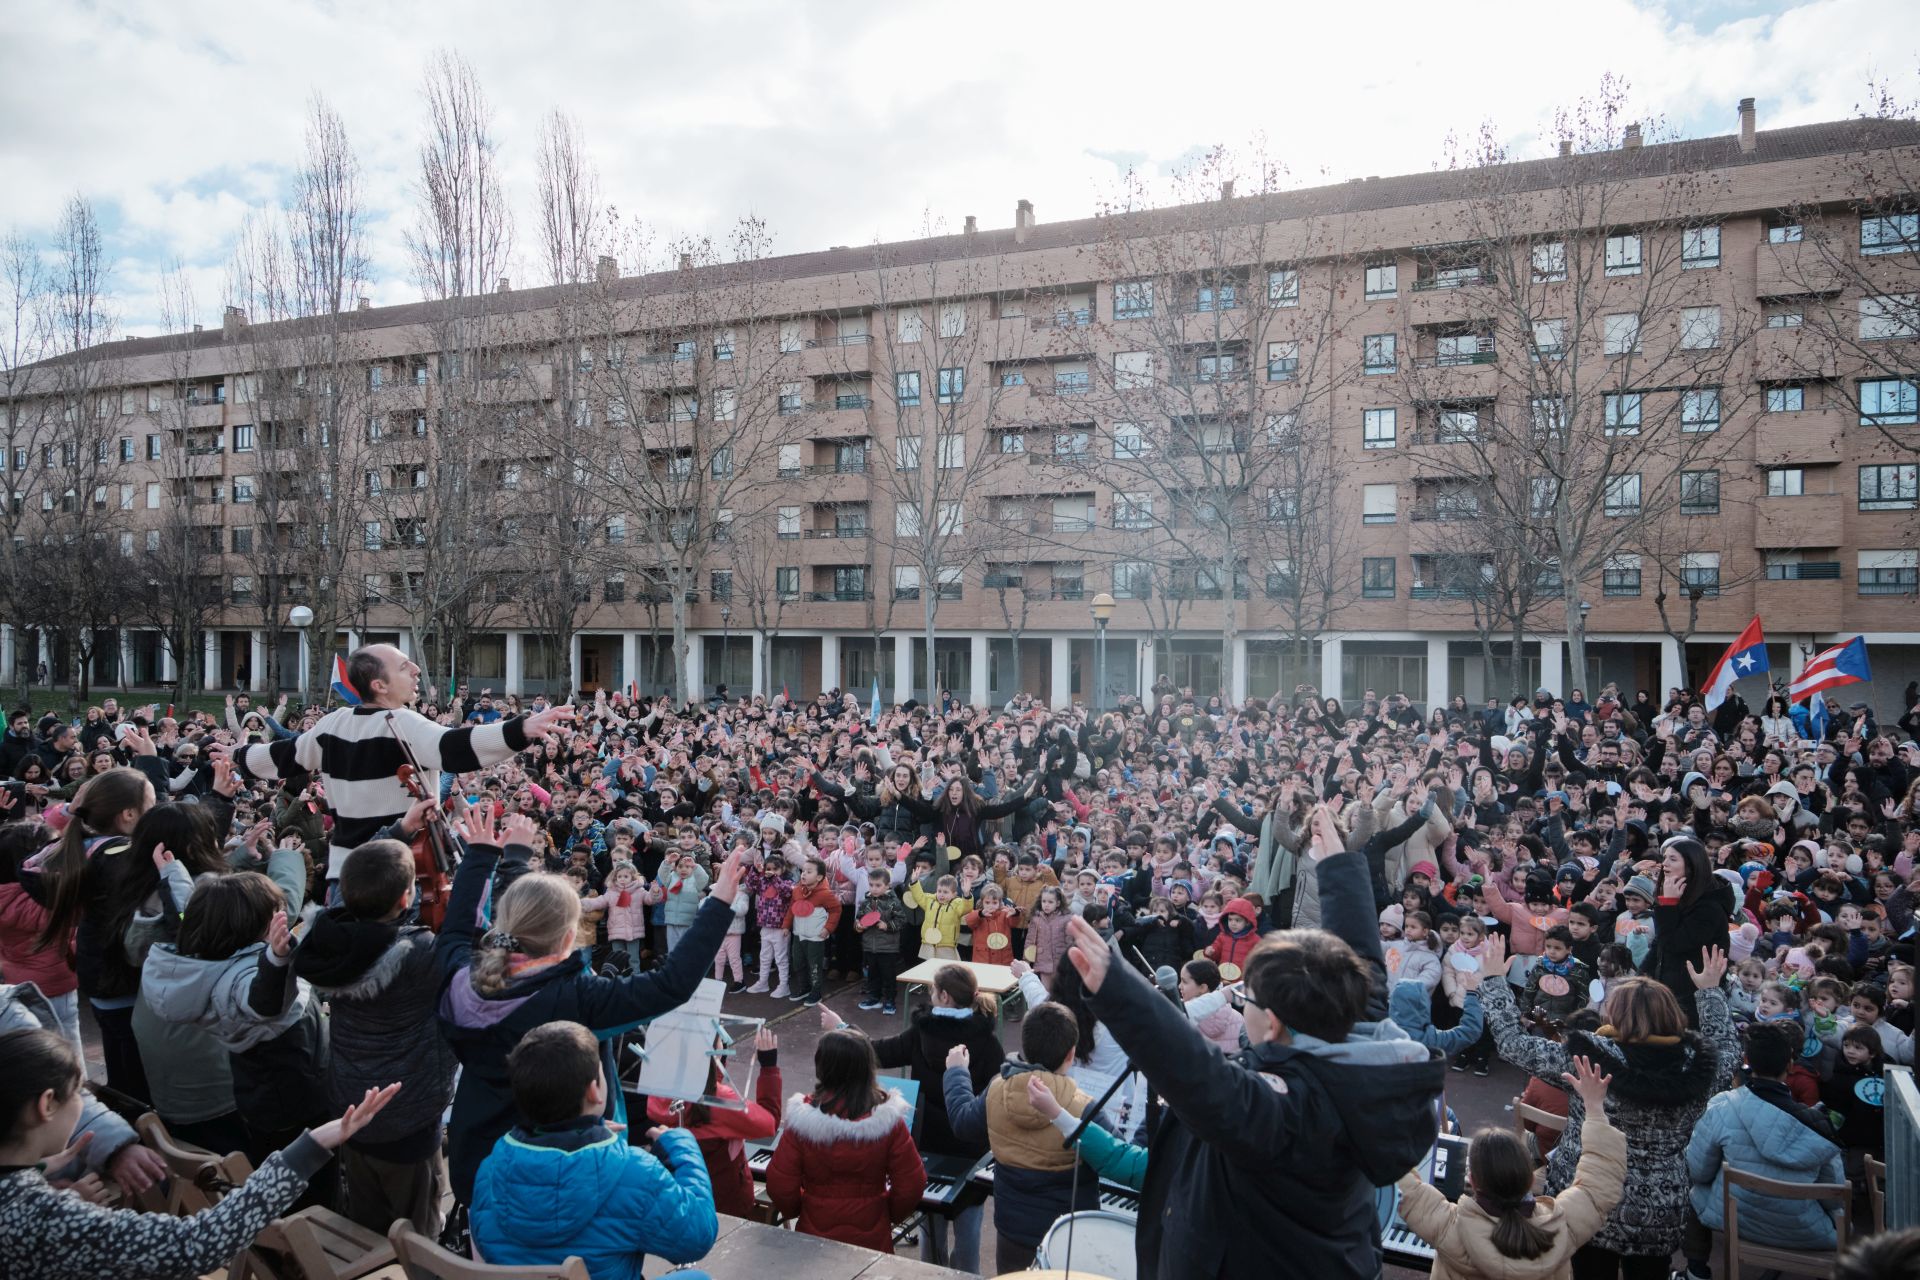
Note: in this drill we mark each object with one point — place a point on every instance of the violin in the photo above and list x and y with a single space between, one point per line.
433 848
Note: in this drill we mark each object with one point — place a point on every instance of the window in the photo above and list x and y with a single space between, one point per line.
1622 410
1281 584
949 520
1548 416
242 586
370 535
1011 441
906 388
1891 315
1699 493
1623 495
952 385
1889 488
126 446
1699 328
153 449
1128 440
242 439
1071 444
1132 370
1216 368
1379 503
1791 398
789 337
1786 482
1549 262
1549 339
1132 511
1132 581
720 464
1132 299
1700 410
906 582
1376 577
793 397
243 488
912 325
952 451
153 540
1621 576
1622 336
786 522
1283 429
1699 248
1283 287
786 582
616 530
126 544
1379 428
373 484
1382 280
1785 233
1543 495
126 497
953 319
1888 573
1700 572
1888 402
1779 317
153 495
1283 504
1893 233
1457 426
1379 354
722 347
1623 255
906 453
242 541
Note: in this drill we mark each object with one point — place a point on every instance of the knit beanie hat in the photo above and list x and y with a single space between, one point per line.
1644 887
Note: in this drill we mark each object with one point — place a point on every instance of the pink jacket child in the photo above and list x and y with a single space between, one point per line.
1216 1019
1047 933
1527 923
625 902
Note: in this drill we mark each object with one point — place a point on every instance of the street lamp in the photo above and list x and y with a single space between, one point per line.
300 617
1101 608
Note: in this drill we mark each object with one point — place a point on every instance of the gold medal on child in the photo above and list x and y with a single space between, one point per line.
1033 953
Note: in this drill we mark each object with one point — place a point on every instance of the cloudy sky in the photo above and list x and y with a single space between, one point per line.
840 123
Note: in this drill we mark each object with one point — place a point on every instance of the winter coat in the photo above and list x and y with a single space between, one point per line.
381 983
21 957
1680 934
1024 895
1242 1166
1033 1180
847 1180
940 921
683 895
578 1189
628 923
483 1028
922 1048
1657 1095
1096 1072
813 914
1419 846
894 914
1526 932
771 895
1410 1007
1002 922
1217 1020
1228 948
1047 941
1413 962
1161 943
1461 1232
1754 1135
725 1133
1541 1004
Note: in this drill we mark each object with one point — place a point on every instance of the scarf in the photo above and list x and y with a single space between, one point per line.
1563 968
625 899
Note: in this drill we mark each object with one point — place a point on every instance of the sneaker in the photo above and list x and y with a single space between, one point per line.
811 999
1458 1064
889 1010
779 992
798 995
758 989
1483 1069
870 1004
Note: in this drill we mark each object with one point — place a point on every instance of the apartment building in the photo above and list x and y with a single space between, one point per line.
1105 398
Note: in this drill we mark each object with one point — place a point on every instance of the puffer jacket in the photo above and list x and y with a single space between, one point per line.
1411 1008
1756 1135
1413 962
1229 948
1658 1094
1217 1020
579 1189
1033 1181
922 1049
381 983
22 959
683 895
847 1180
624 923
1047 941
1462 1233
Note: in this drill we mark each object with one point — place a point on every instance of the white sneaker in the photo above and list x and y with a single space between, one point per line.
780 992
758 989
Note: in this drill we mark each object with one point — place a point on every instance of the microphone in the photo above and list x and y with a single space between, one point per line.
1169 983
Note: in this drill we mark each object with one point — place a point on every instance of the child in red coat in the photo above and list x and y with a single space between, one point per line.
846 1165
723 1133
1239 935
993 926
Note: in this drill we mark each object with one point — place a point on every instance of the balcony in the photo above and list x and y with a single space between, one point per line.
834 420
844 533
858 468
1445 512
1417 592
1812 436
1817 592
205 413
1804 571
206 460
1077 318
846 353
1811 520
1457 360
838 597
1066 386
1794 269
1436 302
841 340
1067 458
1793 355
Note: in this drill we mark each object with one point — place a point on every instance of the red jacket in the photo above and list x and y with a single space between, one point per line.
1002 922
1226 948
822 899
21 919
724 1136
848 1180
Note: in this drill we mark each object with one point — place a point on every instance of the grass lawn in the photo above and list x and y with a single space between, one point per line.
42 698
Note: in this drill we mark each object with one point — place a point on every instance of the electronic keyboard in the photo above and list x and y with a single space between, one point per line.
1114 1197
948 1178
1400 1245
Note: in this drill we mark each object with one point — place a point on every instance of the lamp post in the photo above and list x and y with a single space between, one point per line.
1101 608
301 617
726 642
1580 674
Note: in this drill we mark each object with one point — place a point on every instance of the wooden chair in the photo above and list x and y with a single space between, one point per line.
423 1259
1525 1113
196 1179
1876 1177
1800 1262
320 1243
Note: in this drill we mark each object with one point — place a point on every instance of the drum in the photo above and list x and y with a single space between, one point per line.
1102 1245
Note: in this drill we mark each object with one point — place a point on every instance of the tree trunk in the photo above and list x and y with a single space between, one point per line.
1576 677
679 603
929 606
1229 622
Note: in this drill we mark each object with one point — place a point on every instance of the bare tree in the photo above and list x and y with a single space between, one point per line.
25 411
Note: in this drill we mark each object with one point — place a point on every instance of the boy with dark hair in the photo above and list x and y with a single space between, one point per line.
562 1183
1033 1181
812 915
882 924
1557 985
376 970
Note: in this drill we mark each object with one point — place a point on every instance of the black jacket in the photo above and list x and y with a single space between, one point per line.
922 1048
1242 1171
1680 934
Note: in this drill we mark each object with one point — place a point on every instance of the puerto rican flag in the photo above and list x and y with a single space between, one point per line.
342 685
1746 656
1842 664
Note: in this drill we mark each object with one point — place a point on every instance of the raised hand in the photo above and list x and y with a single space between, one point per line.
335 1132
1493 956
1089 953
519 828
727 883
1712 972
959 1057
1589 1083
278 936
478 828
161 859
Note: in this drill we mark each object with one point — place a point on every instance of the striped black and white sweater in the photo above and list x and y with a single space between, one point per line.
354 751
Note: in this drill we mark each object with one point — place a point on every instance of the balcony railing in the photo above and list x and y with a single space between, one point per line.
1072 524
843 340
1443 511
849 402
204 450
1457 278
1437 593
1067 385
1078 318
861 531
838 597
1453 361
1805 571
1068 458
858 468
1896 587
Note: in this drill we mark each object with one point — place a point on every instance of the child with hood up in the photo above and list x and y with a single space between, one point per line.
1239 935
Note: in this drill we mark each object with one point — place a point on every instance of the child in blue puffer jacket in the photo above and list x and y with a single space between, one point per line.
563 1183
1410 1008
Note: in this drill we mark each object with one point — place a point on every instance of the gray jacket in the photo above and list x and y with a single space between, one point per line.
23 1008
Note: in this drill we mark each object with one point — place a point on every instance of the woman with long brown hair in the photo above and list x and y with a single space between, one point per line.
961 813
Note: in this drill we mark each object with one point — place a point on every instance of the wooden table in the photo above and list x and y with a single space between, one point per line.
753 1251
997 979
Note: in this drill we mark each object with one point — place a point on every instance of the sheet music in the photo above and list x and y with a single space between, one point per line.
682 1042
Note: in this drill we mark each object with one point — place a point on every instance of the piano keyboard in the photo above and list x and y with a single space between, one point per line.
1114 1197
1399 1243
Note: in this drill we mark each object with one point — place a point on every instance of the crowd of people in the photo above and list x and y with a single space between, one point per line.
1250 944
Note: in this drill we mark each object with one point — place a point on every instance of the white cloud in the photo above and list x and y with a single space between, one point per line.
837 124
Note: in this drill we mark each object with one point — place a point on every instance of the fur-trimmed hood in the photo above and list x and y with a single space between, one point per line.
811 1124
1654 1075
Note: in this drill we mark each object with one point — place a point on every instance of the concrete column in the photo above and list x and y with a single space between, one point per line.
43 651
306 662
169 664
573 663
1237 693
516 663
1553 672
696 667
257 660
1062 673
405 643
1436 674
1673 669
126 659
210 659
629 658
8 638
1330 654
829 663
903 666
1145 653
980 690
1796 661
757 649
